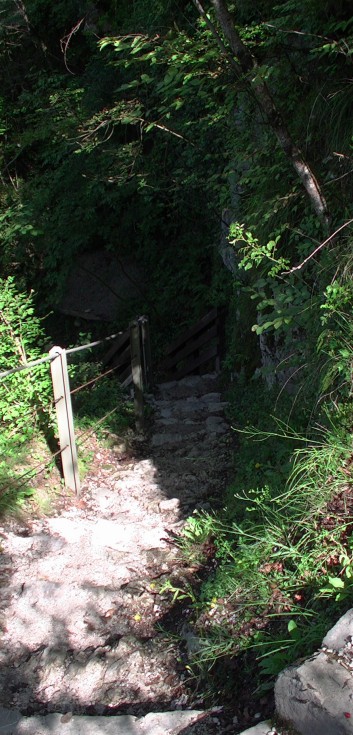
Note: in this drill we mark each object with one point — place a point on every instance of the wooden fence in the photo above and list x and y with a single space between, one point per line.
129 356
198 349
130 359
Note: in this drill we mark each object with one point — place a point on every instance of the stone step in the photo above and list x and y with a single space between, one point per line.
187 407
201 451
262 728
80 615
192 386
173 431
98 678
178 437
211 425
154 723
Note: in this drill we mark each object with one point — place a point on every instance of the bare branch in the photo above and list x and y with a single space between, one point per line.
65 41
166 129
317 250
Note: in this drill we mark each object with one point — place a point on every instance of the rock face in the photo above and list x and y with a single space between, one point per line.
99 285
316 697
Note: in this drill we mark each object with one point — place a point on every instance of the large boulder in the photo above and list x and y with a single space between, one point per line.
316 696
100 285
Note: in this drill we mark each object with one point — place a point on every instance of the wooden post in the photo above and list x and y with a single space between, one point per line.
136 368
218 338
146 352
62 399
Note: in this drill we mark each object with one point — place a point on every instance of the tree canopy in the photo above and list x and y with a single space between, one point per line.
177 133
130 129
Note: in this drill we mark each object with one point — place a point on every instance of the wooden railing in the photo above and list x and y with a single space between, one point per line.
130 357
199 349
119 356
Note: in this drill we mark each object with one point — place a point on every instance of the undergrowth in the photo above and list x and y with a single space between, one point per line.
29 449
99 402
283 545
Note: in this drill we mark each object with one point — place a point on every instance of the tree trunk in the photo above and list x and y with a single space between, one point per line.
248 65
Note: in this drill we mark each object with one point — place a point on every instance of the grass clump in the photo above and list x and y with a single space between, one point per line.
29 479
283 546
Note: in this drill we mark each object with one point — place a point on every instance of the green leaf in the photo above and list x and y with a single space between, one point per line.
128 119
278 323
336 582
130 85
146 78
266 325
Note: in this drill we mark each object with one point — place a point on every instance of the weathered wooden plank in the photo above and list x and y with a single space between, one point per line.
193 331
146 353
122 341
62 400
196 363
125 383
127 373
136 366
123 358
190 348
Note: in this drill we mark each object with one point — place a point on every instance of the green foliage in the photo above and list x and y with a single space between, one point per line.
27 393
253 254
25 397
134 146
101 405
283 562
335 339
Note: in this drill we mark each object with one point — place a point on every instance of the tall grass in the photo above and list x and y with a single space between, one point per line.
283 559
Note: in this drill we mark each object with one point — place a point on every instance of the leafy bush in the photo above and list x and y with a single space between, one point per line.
26 396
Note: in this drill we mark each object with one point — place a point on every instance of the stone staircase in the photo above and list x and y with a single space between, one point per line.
80 650
189 433
79 653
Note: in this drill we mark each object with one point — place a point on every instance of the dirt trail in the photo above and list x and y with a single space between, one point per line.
80 595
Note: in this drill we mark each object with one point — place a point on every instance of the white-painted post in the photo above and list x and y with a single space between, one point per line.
62 399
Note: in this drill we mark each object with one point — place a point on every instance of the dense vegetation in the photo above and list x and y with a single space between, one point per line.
147 129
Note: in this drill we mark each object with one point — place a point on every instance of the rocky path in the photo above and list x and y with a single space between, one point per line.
82 607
